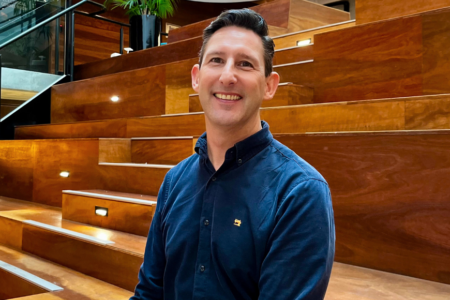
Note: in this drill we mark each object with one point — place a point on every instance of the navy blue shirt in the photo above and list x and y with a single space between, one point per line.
260 227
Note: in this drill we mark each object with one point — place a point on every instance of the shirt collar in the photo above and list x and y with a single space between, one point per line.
243 150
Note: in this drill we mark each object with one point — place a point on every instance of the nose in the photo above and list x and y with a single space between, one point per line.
228 76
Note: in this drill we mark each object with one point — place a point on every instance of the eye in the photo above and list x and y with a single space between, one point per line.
216 60
245 64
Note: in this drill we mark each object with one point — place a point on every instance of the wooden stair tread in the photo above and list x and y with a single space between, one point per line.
75 284
349 282
122 241
100 193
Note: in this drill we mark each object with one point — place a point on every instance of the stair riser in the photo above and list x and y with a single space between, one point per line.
122 216
165 151
104 263
12 286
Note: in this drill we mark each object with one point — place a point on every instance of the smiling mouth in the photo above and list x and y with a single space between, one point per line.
227 97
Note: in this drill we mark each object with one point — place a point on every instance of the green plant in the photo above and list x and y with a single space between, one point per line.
159 8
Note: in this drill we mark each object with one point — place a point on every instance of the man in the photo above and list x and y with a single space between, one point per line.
244 217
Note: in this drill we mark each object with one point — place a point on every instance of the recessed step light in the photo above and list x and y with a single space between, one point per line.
64 174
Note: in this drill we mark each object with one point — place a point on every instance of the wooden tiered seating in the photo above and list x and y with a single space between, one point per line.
283 17
386 160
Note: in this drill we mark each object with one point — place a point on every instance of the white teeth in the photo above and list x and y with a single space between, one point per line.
227 97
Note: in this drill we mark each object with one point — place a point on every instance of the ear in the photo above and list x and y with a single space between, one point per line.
271 85
195 72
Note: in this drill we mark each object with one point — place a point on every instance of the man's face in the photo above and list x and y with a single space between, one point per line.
231 82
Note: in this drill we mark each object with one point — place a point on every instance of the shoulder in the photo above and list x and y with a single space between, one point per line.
182 168
295 167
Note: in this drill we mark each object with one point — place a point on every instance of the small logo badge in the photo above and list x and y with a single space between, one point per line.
237 222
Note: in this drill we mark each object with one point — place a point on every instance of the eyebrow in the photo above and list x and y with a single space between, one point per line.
240 54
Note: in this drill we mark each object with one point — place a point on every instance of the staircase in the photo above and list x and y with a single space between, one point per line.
367 104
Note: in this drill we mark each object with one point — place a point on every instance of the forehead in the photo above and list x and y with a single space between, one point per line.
233 38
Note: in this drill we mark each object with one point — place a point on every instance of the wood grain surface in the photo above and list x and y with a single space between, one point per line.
291 39
179 86
114 150
286 94
137 180
376 10
17 161
302 74
10 233
436 51
12 286
166 151
78 157
75 284
275 13
141 93
122 216
390 197
141 59
291 55
372 61
100 262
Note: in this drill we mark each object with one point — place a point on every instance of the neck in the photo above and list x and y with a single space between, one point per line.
222 138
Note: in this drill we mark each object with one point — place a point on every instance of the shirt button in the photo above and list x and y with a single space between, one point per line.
206 222
239 161
214 179
202 268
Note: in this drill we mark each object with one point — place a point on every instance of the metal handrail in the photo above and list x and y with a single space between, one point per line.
61 13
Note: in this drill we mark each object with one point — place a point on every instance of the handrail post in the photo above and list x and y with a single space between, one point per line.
121 39
72 52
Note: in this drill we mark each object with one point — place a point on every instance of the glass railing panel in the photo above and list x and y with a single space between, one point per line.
24 14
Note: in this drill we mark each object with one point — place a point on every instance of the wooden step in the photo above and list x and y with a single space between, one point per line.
182 50
287 94
161 150
390 197
131 213
75 285
293 54
291 39
31 170
90 250
384 59
282 16
386 114
373 10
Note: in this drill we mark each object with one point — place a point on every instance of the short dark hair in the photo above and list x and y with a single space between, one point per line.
247 19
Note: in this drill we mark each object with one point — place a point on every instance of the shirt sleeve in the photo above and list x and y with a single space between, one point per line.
150 286
300 250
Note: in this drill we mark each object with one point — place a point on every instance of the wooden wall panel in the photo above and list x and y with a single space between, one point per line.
290 40
12 286
100 262
179 86
16 169
107 128
377 10
292 55
141 59
380 60
390 198
122 216
114 150
168 152
141 93
79 157
436 52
